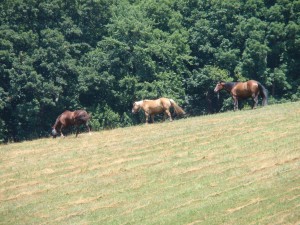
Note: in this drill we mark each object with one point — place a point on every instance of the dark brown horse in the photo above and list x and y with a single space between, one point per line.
244 90
153 107
68 118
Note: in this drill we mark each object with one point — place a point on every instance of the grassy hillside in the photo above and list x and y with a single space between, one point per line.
230 168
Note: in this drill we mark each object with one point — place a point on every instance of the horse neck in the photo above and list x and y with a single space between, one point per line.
57 123
229 85
140 103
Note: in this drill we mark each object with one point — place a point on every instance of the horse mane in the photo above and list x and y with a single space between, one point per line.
141 101
229 85
57 122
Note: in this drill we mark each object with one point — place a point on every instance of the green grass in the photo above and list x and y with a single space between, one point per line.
229 168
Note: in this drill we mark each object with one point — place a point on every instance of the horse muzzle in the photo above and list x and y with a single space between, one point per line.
54 133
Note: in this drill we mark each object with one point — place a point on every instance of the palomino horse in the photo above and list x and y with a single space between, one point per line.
244 90
68 118
153 107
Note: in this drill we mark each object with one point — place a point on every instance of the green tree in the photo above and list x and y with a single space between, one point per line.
104 54
200 86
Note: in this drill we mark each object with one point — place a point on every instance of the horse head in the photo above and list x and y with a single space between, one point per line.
136 107
54 133
219 86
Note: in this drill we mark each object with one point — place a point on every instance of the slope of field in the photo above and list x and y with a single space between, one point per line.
230 168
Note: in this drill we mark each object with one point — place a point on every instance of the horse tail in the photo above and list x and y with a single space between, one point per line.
263 93
178 109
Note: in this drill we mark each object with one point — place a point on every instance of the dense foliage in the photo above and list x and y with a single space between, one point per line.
102 55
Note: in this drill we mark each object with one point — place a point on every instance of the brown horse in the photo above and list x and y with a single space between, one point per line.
244 90
68 118
153 107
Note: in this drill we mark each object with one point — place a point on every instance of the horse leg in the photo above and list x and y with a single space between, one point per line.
169 114
152 118
235 103
255 102
164 117
147 117
77 130
88 128
60 130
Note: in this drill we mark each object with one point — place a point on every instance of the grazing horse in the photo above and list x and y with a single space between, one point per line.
244 90
153 107
68 118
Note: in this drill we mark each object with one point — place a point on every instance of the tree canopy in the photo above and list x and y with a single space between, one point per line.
101 55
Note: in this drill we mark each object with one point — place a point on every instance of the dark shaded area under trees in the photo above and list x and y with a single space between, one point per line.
102 55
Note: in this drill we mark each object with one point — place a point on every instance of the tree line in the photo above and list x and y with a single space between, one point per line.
102 55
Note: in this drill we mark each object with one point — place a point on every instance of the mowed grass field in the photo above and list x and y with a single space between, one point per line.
228 168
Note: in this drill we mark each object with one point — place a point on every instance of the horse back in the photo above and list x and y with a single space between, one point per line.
155 106
245 89
165 102
66 118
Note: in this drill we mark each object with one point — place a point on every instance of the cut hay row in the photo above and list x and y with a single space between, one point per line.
230 168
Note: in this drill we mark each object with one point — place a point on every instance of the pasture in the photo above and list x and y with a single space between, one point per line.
230 168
